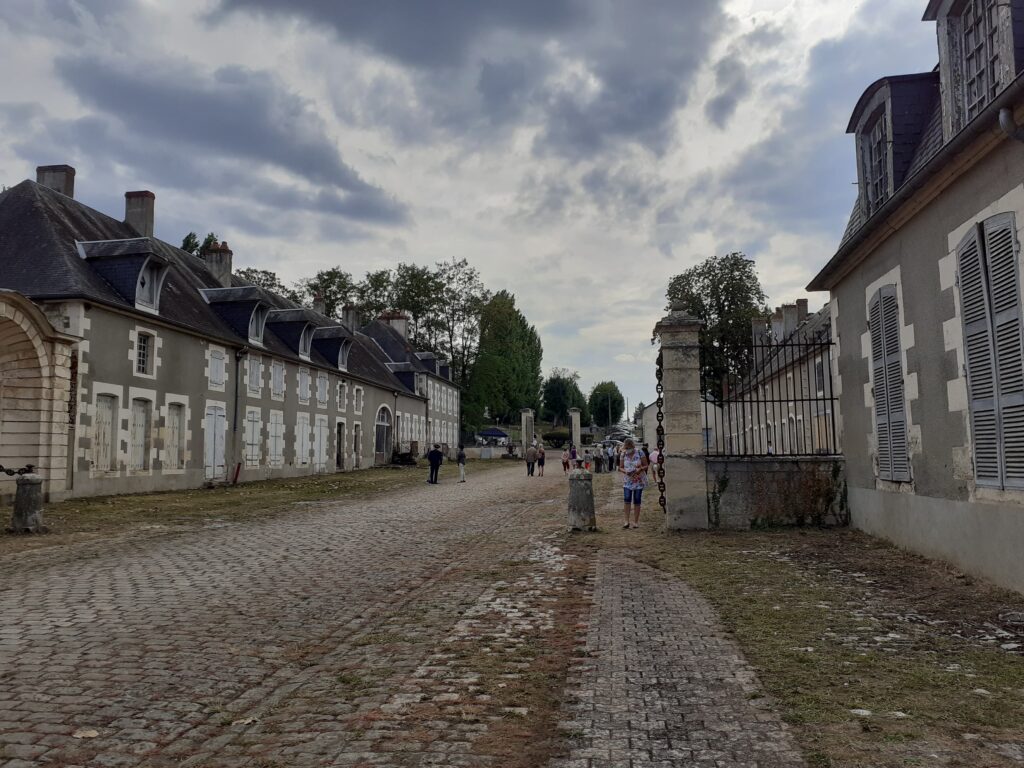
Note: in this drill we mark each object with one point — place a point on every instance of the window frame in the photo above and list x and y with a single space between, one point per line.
146 357
875 158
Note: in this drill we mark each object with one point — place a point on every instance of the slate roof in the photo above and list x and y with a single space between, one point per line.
40 229
397 348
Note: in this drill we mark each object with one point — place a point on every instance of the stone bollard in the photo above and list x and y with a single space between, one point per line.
581 501
28 506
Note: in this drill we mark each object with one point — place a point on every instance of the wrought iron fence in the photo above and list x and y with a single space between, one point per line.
771 399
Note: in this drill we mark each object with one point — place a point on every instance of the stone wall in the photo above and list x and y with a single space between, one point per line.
761 492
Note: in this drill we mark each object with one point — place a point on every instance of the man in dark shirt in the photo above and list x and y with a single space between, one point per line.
435 457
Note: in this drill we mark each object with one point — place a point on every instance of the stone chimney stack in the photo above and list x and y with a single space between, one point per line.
58 177
218 261
319 305
778 330
397 320
350 317
789 319
138 211
801 308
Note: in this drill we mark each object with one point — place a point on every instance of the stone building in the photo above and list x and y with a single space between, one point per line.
127 364
926 299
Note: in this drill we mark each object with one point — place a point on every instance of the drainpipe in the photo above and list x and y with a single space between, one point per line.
239 354
1009 125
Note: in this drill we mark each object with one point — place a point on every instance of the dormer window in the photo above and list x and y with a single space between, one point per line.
306 342
343 356
981 61
256 324
875 161
147 289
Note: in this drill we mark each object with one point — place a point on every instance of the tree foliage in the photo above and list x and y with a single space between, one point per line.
267 280
606 403
561 391
638 412
334 286
505 376
191 242
725 293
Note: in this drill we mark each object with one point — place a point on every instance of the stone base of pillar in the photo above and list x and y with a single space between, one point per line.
28 506
582 516
686 494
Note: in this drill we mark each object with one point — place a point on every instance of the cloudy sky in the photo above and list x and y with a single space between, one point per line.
578 152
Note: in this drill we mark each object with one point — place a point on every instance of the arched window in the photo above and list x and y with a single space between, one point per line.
343 355
147 289
306 342
383 431
257 321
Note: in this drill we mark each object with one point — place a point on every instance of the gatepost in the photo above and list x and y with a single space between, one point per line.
526 425
574 416
686 490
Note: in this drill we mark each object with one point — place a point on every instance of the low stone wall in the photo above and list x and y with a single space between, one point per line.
761 492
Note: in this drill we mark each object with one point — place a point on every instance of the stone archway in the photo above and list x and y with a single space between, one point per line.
35 386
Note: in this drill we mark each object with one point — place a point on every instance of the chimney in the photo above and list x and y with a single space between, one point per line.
58 177
801 309
319 305
138 211
398 321
350 317
789 319
218 261
777 326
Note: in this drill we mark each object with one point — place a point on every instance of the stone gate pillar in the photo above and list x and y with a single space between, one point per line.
686 491
526 425
574 417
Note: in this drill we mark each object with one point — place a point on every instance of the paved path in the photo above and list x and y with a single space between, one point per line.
664 686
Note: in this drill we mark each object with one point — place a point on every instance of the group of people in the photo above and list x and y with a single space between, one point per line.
436 457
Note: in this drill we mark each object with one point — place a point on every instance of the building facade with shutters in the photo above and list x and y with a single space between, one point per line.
926 299
129 365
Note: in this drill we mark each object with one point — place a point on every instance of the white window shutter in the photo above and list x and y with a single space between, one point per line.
884 445
980 360
1001 251
894 385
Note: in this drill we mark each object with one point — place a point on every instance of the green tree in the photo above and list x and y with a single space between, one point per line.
457 314
638 412
269 281
505 374
416 290
334 286
561 391
375 294
190 243
725 294
606 403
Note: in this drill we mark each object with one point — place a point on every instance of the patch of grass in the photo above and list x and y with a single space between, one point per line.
94 517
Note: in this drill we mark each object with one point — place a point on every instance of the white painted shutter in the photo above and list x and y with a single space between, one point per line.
884 445
1001 251
103 434
979 360
172 442
139 431
216 430
894 385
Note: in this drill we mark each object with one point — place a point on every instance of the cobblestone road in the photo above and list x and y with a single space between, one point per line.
410 630
663 685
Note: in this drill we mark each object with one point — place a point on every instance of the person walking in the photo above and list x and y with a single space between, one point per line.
633 465
540 460
565 462
460 457
435 457
653 459
531 460
611 457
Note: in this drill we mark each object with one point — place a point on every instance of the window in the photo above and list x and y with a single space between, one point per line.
342 396
218 369
306 342
144 354
343 355
321 389
138 448
147 289
255 374
104 434
990 307
819 376
302 440
875 161
257 321
887 367
275 439
174 444
383 442
253 426
981 68
357 400
304 383
277 379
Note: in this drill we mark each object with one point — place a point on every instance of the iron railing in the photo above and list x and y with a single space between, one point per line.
771 399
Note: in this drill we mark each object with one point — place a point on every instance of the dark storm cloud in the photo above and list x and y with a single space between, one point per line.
182 125
732 85
440 33
801 176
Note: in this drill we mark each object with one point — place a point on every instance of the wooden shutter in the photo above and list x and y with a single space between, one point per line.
104 456
884 445
138 458
979 357
894 384
172 443
1001 252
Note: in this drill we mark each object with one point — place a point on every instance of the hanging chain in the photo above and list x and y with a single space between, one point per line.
660 388
28 469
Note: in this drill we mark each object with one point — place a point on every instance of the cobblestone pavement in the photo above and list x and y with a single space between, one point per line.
663 686
315 638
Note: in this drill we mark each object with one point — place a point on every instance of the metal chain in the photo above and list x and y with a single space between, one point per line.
28 469
660 388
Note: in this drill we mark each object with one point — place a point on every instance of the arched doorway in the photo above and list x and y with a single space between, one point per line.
34 391
383 442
